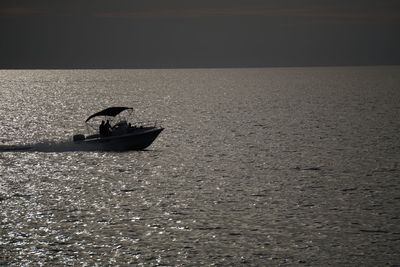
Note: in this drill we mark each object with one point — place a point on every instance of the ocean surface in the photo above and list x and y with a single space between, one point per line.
255 167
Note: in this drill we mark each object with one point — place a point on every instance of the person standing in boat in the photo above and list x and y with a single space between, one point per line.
107 128
102 129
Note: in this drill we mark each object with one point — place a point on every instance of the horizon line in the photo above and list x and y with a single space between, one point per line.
205 67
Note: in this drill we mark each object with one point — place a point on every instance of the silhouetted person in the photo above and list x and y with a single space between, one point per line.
107 128
102 129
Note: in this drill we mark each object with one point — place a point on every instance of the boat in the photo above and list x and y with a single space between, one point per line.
123 135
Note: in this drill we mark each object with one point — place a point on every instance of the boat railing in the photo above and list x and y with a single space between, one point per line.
92 129
146 124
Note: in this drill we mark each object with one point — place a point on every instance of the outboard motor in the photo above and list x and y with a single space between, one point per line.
78 137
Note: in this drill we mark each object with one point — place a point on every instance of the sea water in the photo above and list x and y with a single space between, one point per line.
255 167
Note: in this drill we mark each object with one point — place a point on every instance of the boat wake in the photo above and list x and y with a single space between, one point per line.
49 146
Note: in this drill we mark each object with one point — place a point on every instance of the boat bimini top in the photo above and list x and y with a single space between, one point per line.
111 111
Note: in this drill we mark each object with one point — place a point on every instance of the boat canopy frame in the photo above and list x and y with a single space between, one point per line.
110 112
113 113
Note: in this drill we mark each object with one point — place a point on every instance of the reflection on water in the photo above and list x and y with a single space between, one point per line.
255 167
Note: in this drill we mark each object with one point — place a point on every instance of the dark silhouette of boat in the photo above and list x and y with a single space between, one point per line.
123 136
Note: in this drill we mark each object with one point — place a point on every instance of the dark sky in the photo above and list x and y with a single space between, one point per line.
198 33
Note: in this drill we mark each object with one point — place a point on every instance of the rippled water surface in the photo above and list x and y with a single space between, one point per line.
257 167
